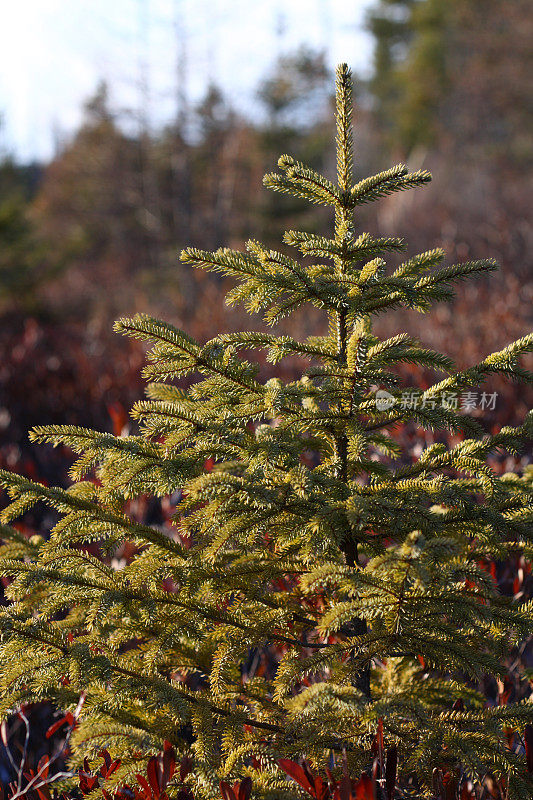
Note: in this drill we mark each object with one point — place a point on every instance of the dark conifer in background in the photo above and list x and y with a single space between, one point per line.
321 593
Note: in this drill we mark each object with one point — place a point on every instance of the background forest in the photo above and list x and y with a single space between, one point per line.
95 233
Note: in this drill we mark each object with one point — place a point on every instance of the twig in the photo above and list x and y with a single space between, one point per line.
33 783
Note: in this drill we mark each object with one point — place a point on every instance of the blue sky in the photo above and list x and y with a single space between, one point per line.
53 52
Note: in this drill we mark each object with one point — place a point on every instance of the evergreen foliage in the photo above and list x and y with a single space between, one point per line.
317 583
25 261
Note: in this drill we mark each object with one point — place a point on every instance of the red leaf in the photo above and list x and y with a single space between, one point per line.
509 735
143 783
345 788
450 786
153 777
380 733
107 758
44 766
528 739
227 791
307 772
107 763
185 767
55 727
345 784
119 417
376 775
245 789
321 789
363 788
505 689
168 763
296 772
377 744
43 792
113 767
87 782
390 771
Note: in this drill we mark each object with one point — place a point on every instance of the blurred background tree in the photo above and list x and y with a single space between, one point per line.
453 74
25 258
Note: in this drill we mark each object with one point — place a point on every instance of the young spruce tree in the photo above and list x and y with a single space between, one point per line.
298 605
